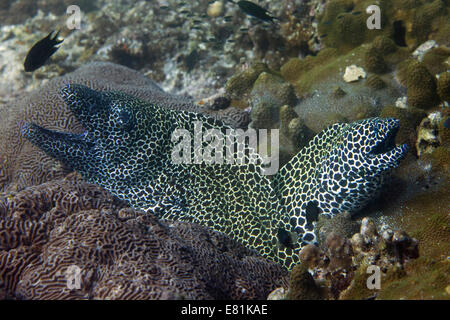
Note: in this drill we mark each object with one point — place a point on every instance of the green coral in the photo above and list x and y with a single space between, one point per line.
349 30
241 83
305 74
421 87
443 86
375 82
302 285
343 23
269 93
384 45
280 91
295 68
374 61
409 4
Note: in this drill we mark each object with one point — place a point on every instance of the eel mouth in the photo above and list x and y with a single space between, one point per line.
387 144
64 146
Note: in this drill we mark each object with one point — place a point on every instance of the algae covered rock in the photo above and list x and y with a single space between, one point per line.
302 285
421 87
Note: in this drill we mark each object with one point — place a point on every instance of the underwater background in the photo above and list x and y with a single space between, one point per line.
299 67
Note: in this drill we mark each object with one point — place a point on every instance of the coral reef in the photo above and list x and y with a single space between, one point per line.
120 253
341 260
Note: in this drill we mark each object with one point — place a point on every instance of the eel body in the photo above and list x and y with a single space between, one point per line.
127 148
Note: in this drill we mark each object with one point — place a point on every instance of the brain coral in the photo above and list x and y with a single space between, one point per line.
21 164
58 226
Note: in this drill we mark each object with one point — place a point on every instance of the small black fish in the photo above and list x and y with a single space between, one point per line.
255 10
41 51
355 13
323 35
228 18
286 239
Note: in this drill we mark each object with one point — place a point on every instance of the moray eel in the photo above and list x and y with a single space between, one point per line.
127 146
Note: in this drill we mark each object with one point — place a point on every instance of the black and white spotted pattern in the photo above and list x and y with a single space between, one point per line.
127 149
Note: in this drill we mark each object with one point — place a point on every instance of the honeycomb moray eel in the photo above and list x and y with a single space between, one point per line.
127 146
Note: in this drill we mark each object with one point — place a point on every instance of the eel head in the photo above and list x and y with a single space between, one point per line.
119 139
361 158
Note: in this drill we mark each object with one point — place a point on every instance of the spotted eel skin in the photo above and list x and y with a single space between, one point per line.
127 147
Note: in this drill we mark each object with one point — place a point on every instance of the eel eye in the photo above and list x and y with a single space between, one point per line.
125 120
